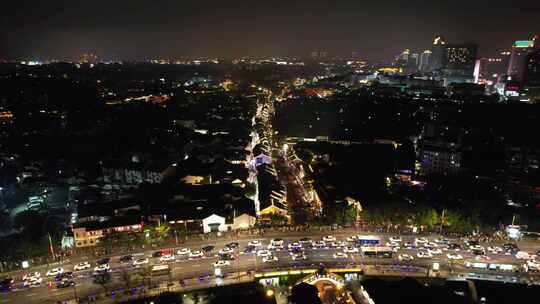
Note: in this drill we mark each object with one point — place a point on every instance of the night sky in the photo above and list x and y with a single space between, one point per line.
136 29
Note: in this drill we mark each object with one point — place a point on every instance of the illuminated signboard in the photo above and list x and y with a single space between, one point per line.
524 43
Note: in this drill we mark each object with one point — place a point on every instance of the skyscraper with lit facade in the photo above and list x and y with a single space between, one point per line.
518 60
460 59
532 69
438 53
424 62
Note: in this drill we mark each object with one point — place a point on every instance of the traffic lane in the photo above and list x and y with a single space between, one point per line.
204 267
185 268
84 283
243 242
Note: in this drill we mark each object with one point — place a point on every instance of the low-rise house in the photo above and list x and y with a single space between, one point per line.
90 233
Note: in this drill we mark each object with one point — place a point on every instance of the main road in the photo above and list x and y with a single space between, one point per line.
200 270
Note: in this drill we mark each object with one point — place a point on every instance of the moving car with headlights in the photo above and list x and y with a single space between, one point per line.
523 255
102 268
249 249
197 254
435 251
32 282
6 284
183 251
395 239
339 255
294 245
329 238
270 258
263 253
351 239
277 242
81 266
350 249
319 245
300 256
255 243
31 275
65 283
225 250
55 271
421 240
306 241
454 256
141 261
405 257
424 255
167 258
222 263
126 259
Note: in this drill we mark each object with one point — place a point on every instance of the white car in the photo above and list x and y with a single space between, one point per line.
533 265
102 268
441 241
81 266
421 240
263 253
298 256
196 254
140 261
334 244
405 257
226 250
340 255
167 258
306 241
395 239
183 251
522 255
277 242
31 275
431 245
424 255
270 258
495 249
350 249
392 244
329 238
221 263
435 251
476 247
454 256
319 245
275 247
351 238
55 271
33 282
255 243
294 245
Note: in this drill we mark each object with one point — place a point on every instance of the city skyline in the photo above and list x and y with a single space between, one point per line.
138 30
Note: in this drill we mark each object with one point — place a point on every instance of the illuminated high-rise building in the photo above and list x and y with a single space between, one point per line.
494 68
532 69
438 50
518 59
460 59
424 61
